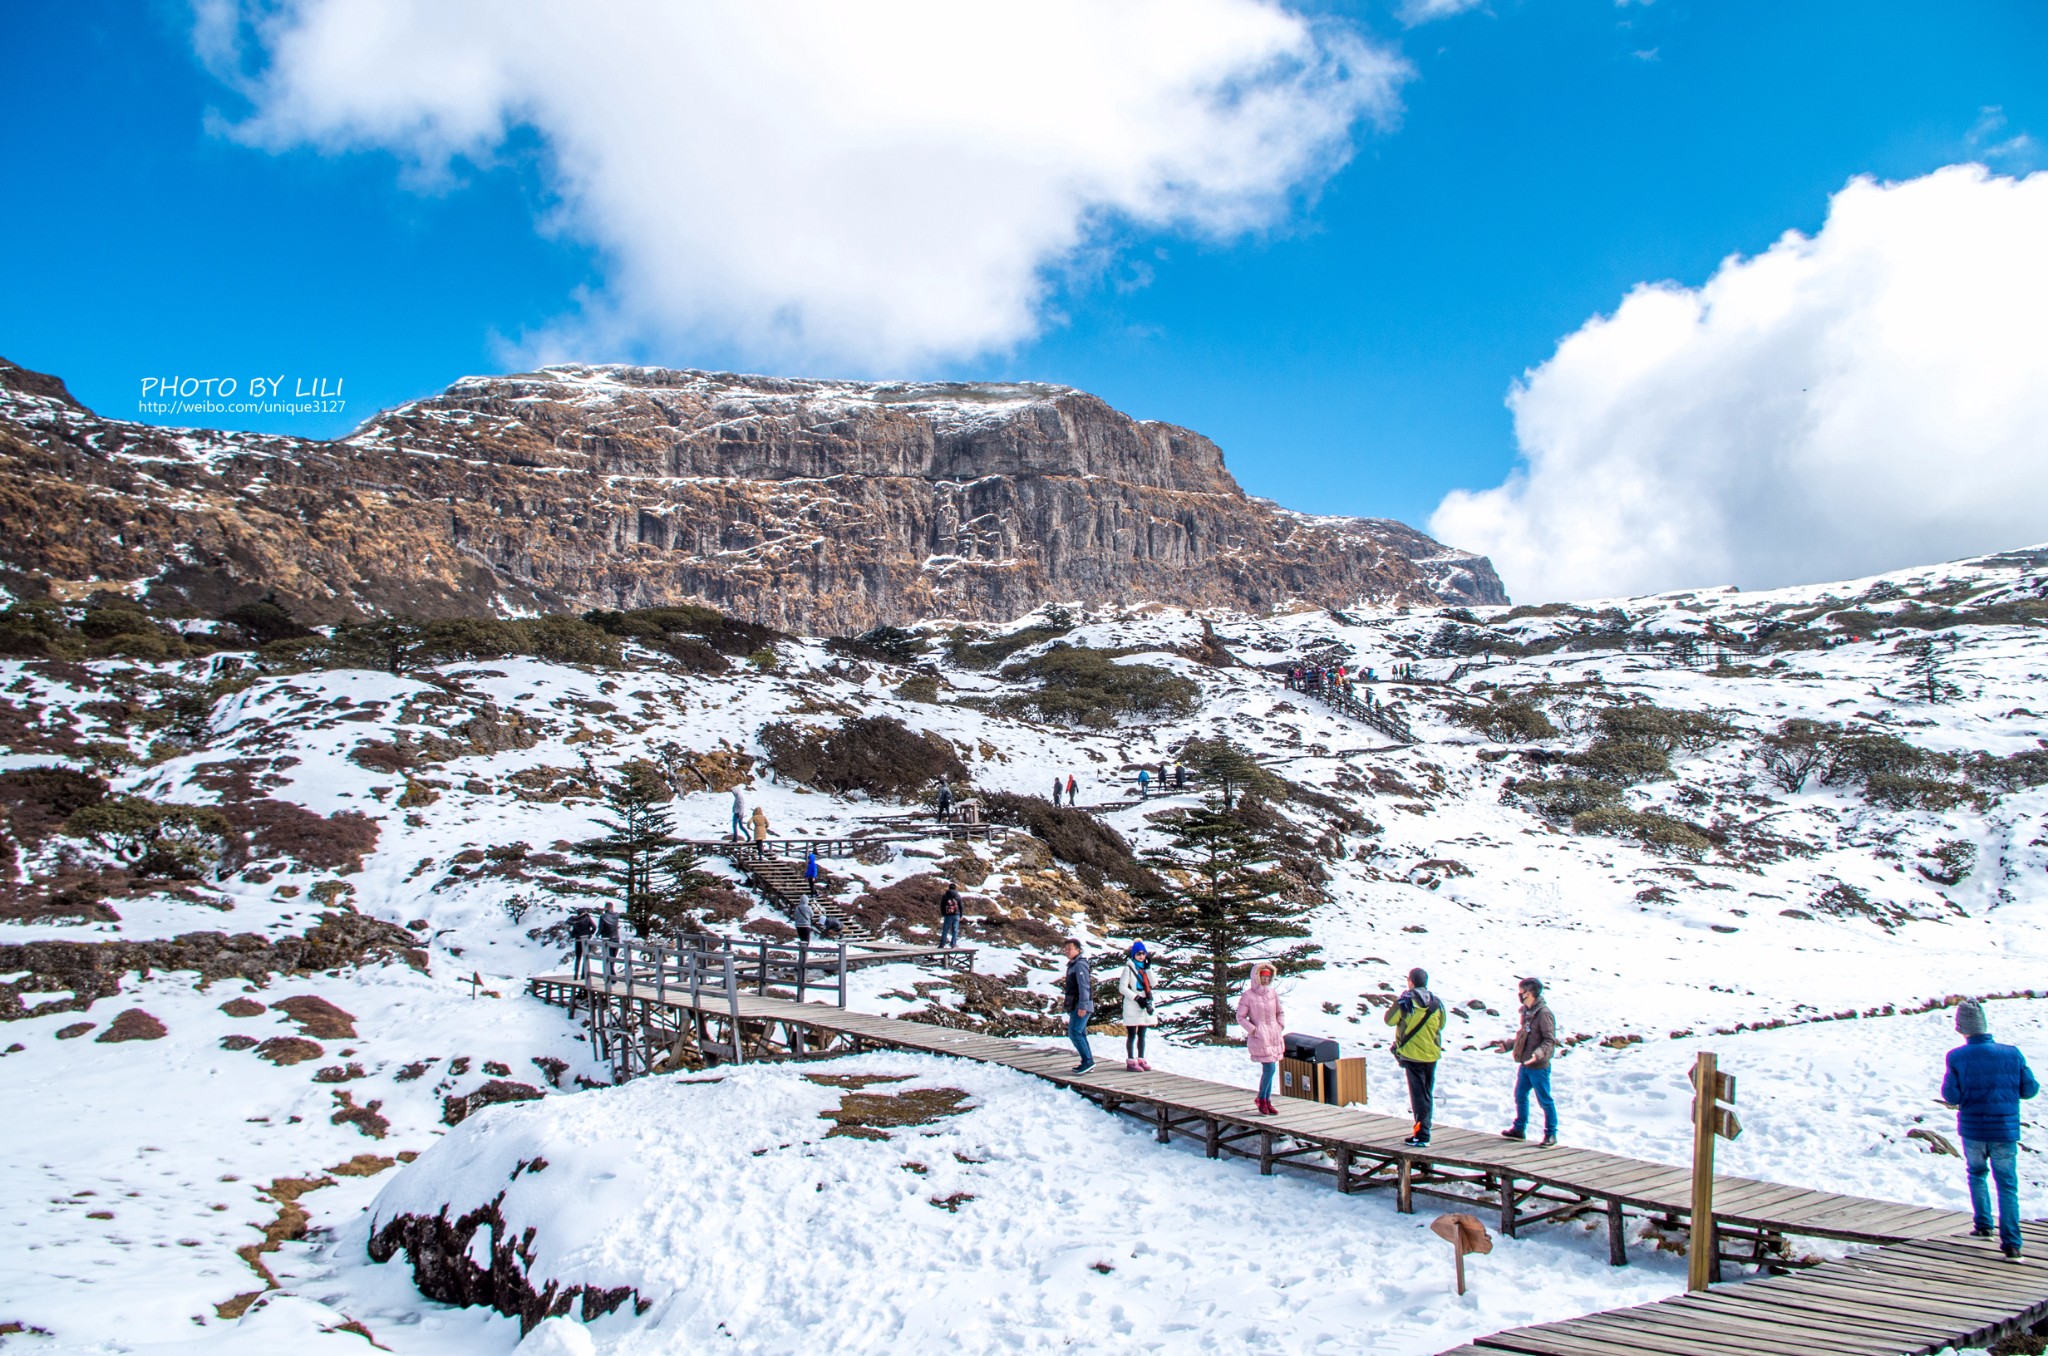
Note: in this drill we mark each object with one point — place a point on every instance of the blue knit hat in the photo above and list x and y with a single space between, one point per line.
1137 948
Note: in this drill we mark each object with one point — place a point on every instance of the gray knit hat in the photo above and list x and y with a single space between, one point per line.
1970 1018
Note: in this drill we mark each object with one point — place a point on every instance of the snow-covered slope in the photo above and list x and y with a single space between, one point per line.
1762 932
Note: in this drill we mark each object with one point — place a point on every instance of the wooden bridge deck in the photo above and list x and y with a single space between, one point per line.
1906 1300
1522 1181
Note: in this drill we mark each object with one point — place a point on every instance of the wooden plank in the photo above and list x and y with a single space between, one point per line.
1708 1333
1880 1300
1825 1312
1782 1328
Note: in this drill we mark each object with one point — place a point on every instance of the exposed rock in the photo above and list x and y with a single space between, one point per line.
456 1110
811 505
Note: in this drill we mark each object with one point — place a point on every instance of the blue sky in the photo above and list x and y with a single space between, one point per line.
1352 356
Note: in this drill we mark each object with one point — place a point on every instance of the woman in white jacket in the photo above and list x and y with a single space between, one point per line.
1138 1014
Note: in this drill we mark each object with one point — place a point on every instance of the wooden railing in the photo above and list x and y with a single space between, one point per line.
1375 715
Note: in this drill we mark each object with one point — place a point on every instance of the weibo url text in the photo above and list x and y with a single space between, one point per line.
281 394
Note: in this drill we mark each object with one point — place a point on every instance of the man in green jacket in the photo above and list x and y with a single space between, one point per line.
1418 1021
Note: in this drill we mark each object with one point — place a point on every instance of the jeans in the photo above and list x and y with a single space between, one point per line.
1077 1032
1421 1092
1266 1072
1999 1159
949 930
1528 1080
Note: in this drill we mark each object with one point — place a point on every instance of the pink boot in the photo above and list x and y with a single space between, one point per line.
1145 1066
1133 1066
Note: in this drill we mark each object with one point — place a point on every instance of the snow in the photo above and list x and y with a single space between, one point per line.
1649 959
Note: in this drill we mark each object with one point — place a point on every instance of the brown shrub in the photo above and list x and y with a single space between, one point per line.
363 1118
283 1050
876 754
134 1025
317 1017
237 1042
37 800
74 1031
279 828
243 1007
1075 837
911 902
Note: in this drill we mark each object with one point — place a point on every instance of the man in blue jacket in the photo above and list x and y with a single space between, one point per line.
1985 1083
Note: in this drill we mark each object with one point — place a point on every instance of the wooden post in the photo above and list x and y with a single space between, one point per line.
1344 1169
1507 1204
1617 1235
1211 1142
1404 1189
1265 1153
1165 1132
1700 1252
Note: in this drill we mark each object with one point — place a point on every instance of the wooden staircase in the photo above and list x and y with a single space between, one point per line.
780 881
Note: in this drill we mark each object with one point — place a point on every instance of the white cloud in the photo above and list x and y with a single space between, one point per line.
866 185
1426 11
1873 396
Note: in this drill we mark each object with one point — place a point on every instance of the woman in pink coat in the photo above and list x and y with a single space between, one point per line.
1265 1030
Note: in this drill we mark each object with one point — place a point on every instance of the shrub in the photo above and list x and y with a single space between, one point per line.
1797 751
279 828
971 653
876 754
1084 686
1857 758
566 640
654 625
920 687
37 631
37 800
1074 837
1563 798
1904 791
1623 761
1952 858
2014 772
883 645
175 842
1506 721
1659 832
264 621
1663 729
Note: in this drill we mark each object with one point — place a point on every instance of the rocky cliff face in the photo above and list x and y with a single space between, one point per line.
810 505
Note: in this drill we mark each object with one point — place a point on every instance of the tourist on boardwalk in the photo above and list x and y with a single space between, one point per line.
1073 788
739 817
1265 1032
608 925
945 801
582 927
760 823
1077 1000
1535 1043
811 871
1418 1021
949 916
805 919
1144 782
1180 776
1056 785
1138 1014
1985 1082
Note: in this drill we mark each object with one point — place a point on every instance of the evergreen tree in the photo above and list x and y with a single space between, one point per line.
1231 770
652 873
1219 909
1927 669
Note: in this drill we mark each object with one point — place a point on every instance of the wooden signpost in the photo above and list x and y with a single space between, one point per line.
1464 1234
1713 1116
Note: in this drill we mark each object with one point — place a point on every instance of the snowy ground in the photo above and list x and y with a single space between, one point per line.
174 1141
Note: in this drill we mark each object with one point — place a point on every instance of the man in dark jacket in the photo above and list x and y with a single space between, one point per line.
945 801
1985 1083
949 916
581 929
1535 1043
1077 1000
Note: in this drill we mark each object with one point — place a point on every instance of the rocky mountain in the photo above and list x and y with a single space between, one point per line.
811 505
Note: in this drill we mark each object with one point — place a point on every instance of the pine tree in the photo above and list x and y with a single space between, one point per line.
652 873
1927 669
1231 770
1219 909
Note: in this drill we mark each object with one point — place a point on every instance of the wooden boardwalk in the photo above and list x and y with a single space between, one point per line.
1905 1300
1518 1183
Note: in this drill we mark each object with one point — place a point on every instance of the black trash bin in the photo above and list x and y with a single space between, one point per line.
1308 1067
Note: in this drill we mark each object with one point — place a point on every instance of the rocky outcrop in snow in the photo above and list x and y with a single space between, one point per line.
811 505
